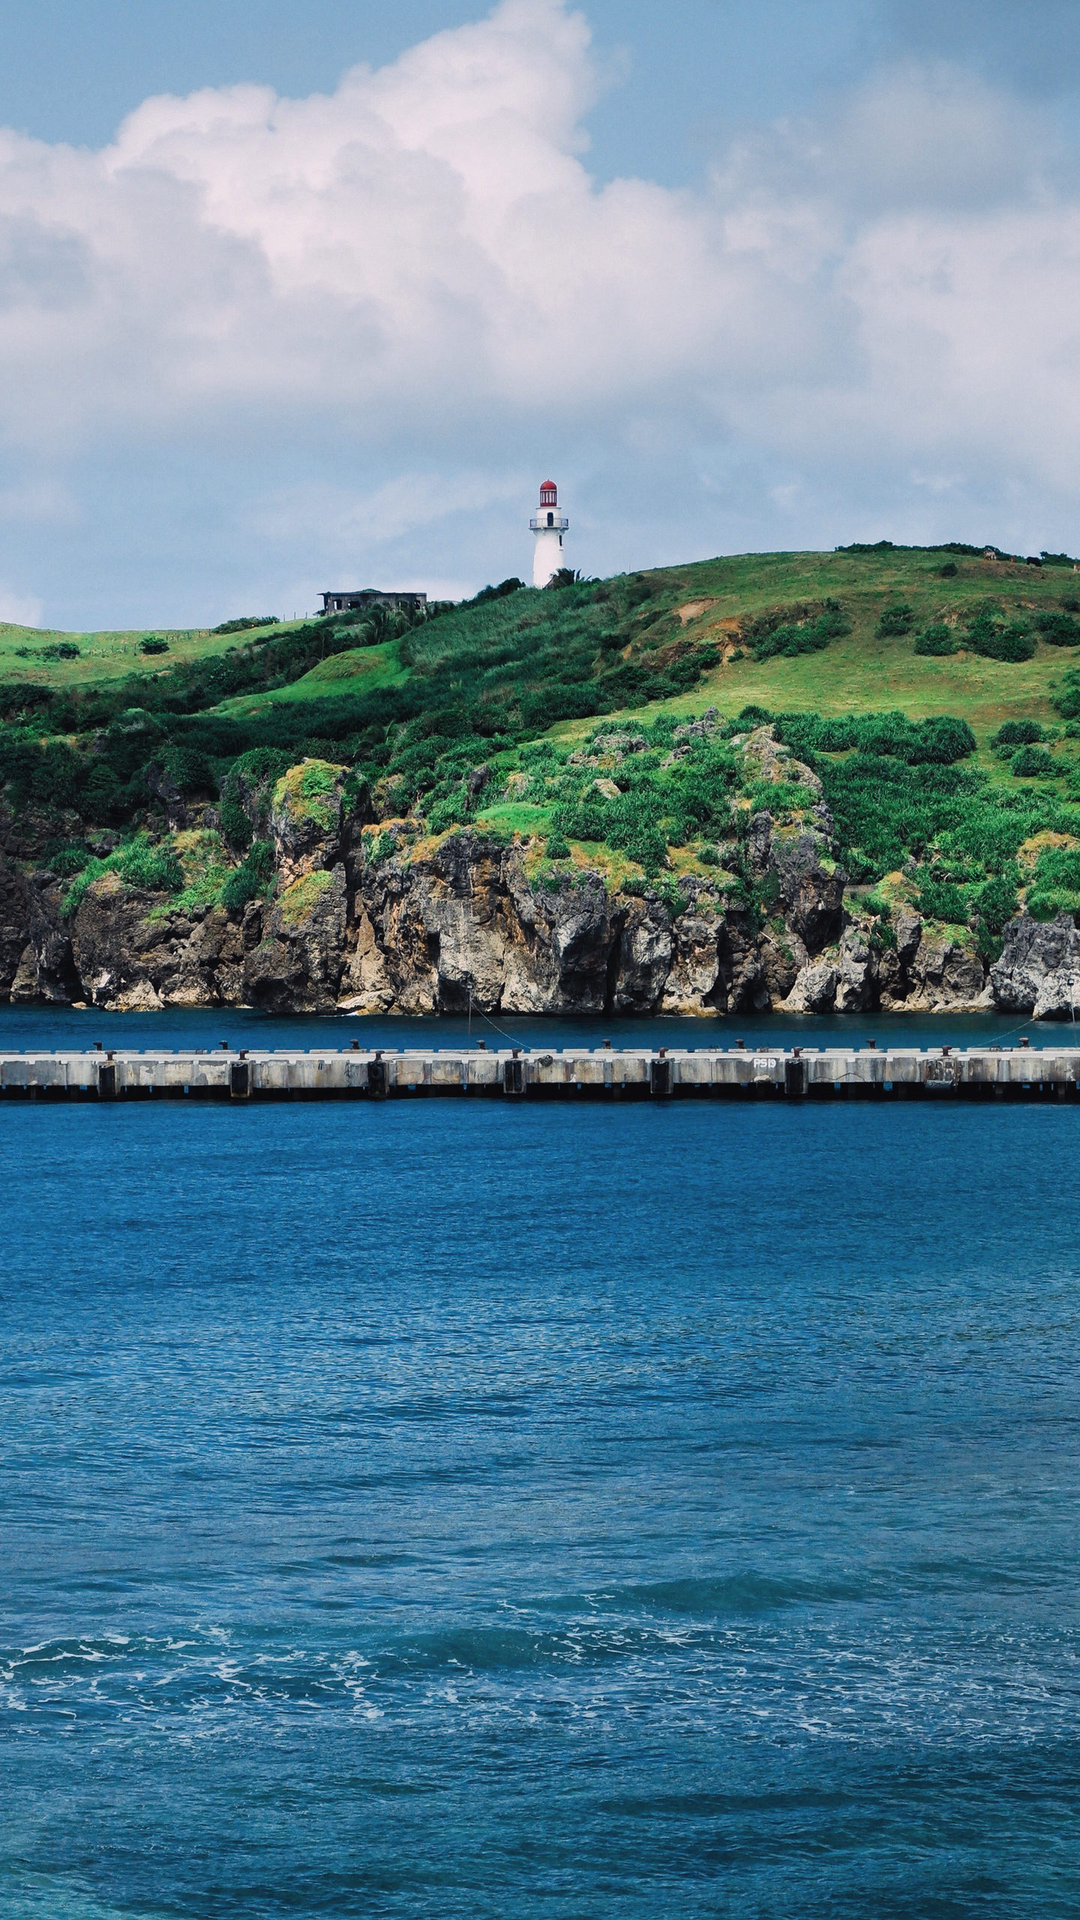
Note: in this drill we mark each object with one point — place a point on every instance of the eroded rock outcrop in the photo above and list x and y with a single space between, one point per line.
383 917
1039 969
131 950
946 976
298 964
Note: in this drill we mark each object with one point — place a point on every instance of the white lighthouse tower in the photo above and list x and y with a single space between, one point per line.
548 526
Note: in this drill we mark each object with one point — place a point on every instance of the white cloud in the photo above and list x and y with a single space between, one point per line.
419 274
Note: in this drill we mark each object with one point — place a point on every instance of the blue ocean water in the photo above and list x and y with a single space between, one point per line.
555 1513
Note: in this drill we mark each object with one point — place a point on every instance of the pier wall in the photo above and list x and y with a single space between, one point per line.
795 1074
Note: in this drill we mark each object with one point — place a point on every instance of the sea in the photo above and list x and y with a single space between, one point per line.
513 1512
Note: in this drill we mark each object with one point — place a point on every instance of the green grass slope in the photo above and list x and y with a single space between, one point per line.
82 660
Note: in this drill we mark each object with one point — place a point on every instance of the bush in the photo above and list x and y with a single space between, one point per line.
61 650
937 742
22 697
68 860
772 636
941 899
937 640
1067 697
949 571
940 741
1058 867
896 620
138 864
152 645
1030 762
557 848
250 880
1018 733
1058 629
190 772
155 868
995 903
988 637
215 734
886 811
247 789
101 797
249 620
513 585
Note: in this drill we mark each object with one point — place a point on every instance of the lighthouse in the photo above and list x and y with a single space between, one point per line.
548 526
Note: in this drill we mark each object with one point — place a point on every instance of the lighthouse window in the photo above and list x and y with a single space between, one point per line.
551 519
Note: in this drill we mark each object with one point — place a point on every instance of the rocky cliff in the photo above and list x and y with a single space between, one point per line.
370 915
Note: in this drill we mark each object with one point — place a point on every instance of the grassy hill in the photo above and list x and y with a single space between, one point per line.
81 660
475 716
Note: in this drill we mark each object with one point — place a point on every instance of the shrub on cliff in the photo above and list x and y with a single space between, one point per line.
138 864
995 903
190 772
1055 886
941 899
310 791
246 793
252 879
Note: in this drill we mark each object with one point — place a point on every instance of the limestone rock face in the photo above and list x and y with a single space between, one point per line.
815 989
944 976
131 950
298 964
162 786
856 973
808 886
47 968
465 922
397 921
1039 969
14 923
307 819
643 960
783 957
776 763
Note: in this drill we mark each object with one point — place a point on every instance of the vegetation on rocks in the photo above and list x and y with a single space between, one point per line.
886 731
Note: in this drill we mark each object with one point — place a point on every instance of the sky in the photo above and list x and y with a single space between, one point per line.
303 296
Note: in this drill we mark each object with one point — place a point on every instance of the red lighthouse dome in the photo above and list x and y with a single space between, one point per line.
548 526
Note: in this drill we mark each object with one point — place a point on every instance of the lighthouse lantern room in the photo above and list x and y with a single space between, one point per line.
548 526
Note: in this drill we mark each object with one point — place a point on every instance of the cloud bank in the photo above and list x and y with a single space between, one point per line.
288 339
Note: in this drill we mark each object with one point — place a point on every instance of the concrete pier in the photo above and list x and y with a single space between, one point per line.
869 1072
